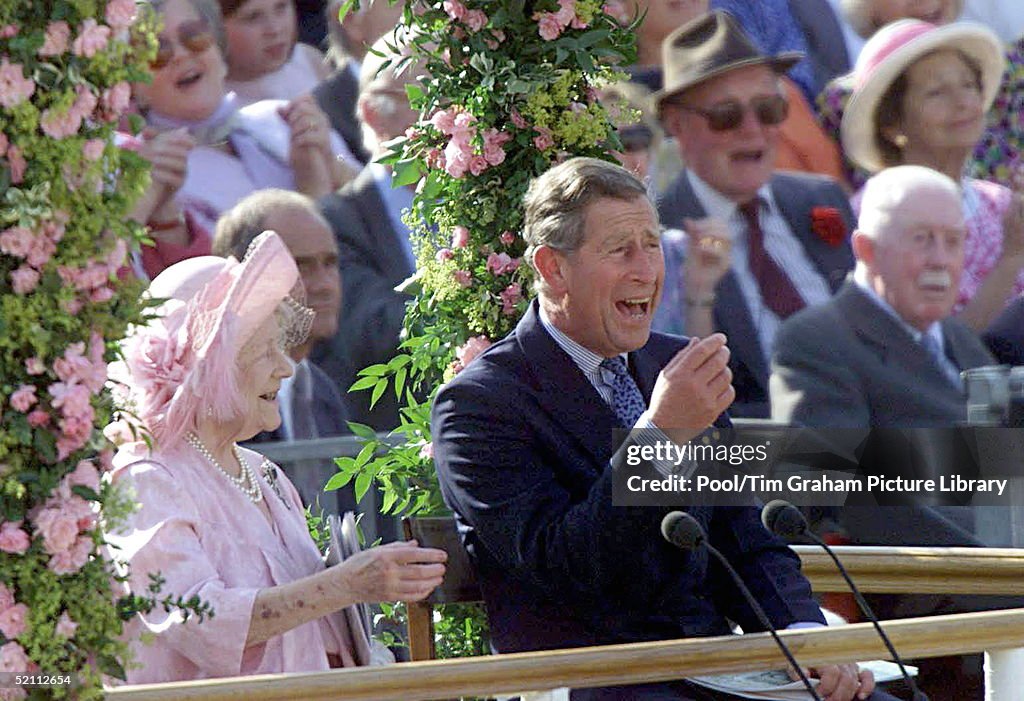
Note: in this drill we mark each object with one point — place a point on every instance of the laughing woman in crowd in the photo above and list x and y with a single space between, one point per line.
207 151
920 98
219 521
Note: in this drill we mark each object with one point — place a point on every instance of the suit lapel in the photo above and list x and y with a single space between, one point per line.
832 262
563 391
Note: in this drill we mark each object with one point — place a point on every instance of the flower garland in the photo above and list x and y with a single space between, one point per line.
512 90
65 190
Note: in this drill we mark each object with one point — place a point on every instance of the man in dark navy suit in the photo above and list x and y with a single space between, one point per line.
524 450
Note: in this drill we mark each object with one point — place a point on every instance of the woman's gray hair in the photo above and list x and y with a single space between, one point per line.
209 10
555 205
859 15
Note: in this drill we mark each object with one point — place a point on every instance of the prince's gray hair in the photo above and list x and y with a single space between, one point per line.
555 205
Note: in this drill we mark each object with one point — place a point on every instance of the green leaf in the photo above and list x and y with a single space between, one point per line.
375 370
363 482
363 383
338 480
85 492
362 430
378 391
400 382
109 665
407 172
365 454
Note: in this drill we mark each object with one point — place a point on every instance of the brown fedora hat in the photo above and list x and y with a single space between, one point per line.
709 46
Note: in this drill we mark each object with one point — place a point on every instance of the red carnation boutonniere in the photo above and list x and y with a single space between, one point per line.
828 224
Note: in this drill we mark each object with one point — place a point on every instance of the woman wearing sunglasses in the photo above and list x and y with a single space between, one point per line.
207 151
920 97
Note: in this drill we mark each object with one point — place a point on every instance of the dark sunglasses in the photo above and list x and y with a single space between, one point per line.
194 35
635 138
725 116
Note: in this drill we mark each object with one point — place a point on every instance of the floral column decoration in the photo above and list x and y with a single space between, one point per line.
512 90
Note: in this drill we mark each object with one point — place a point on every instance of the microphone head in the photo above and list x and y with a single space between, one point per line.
783 519
682 530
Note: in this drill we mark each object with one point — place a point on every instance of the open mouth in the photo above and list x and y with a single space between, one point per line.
937 282
269 396
635 308
752 156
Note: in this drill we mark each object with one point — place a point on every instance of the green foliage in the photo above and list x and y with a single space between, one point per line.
65 194
511 90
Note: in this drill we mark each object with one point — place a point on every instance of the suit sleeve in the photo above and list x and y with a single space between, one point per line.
584 552
812 385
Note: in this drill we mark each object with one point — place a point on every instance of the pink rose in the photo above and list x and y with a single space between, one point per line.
13 658
501 263
507 238
463 126
115 100
38 418
444 254
35 366
457 156
566 12
463 277
15 88
455 9
25 279
23 398
119 432
13 539
101 295
3 144
92 38
517 119
58 527
71 306
93 149
468 352
544 139
460 237
65 627
8 30
476 20
16 241
41 252
549 27
120 14
477 165
58 125
16 161
6 597
510 297
56 41
71 560
12 621
85 474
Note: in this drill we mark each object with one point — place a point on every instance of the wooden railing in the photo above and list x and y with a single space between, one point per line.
602 666
888 570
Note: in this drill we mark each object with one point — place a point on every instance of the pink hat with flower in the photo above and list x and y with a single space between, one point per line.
182 365
888 54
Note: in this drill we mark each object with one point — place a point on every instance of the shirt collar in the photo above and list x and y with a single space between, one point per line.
718 205
935 330
587 360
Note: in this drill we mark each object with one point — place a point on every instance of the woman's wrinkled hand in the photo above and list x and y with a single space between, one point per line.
393 572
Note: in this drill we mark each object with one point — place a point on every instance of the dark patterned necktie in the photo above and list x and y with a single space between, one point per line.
627 401
777 290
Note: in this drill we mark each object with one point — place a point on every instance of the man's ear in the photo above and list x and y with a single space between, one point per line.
863 247
550 265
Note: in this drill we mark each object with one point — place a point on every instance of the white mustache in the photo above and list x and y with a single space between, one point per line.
935 278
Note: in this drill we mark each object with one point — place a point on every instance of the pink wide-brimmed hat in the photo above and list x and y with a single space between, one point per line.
888 54
181 366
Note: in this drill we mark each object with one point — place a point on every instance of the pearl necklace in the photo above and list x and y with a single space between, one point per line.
245 481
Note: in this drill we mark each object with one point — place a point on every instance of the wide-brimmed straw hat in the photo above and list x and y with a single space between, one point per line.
181 366
888 54
708 46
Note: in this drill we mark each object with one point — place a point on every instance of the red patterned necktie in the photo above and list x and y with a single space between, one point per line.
777 290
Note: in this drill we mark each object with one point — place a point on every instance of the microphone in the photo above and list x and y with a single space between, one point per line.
683 531
788 522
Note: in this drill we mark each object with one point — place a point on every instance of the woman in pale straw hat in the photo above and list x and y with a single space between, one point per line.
920 97
219 521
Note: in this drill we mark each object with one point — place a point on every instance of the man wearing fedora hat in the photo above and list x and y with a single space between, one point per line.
723 103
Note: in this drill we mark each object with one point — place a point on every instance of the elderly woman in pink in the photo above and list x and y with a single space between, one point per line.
219 521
